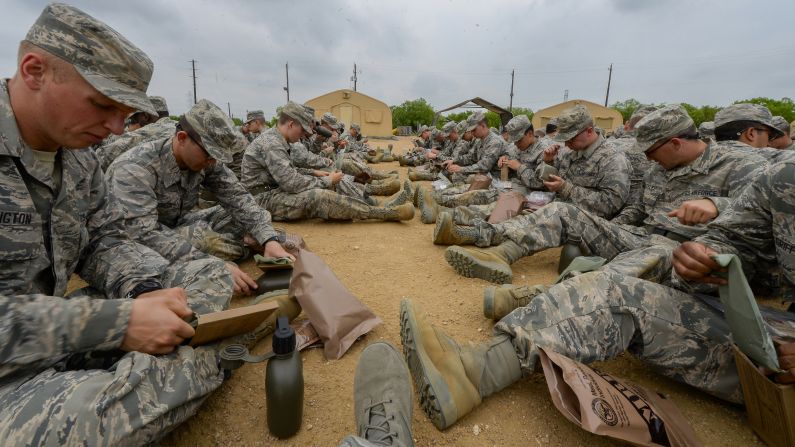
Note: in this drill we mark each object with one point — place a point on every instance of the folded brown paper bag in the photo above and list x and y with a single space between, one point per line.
608 406
337 316
509 204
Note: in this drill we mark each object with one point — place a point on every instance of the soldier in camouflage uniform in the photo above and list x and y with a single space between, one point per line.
80 370
600 315
288 194
693 181
109 150
748 127
156 187
707 130
521 161
638 162
784 142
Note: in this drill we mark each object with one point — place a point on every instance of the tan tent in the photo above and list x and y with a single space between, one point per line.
606 118
349 106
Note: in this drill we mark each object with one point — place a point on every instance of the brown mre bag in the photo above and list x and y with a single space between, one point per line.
337 316
509 204
480 181
608 406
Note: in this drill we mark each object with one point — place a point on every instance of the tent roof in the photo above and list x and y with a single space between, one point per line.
476 103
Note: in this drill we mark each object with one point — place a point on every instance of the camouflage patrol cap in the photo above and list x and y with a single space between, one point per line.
103 57
434 132
572 121
449 126
664 123
475 119
159 104
300 113
422 129
640 112
707 129
747 112
255 115
356 126
461 126
219 135
780 123
517 127
329 119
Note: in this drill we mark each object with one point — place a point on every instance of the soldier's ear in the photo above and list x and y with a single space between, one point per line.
32 68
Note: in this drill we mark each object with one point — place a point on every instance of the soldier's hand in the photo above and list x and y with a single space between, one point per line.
454 168
501 161
551 152
447 163
335 177
693 262
342 143
156 324
513 164
242 282
432 155
274 249
786 360
695 212
317 173
554 183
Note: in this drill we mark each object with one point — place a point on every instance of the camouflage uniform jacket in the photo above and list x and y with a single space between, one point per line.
530 158
447 150
267 163
305 161
772 155
462 151
759 225
491 148
316 144
50 229
638 164
153 194
597 178
718 174
108 152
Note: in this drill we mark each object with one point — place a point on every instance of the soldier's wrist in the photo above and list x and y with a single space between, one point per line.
145 286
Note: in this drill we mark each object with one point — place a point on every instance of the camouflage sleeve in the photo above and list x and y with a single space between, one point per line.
302 158
611 192
465 156
239 203
38 329
487 161
527 175
287 176
112 261
135 210
745 228
738 178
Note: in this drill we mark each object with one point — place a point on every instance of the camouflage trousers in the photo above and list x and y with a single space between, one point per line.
557 223
116 398
213 231
460 195
313 203
355 167
599 315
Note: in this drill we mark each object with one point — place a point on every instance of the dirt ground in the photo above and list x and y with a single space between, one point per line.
382 263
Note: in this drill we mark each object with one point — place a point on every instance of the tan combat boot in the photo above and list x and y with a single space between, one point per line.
447 232
492 264
400 197
398 213
451 379
500 301
415 175
385 187
288 306
429 209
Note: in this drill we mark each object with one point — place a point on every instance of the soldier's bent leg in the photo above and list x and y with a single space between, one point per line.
465 215
599 315
137 401
208 283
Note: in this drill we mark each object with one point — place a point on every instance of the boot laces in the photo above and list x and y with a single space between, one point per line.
378 431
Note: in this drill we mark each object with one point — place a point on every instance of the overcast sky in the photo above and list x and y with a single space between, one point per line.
701 52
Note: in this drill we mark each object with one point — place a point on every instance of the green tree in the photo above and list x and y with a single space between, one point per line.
523 111
493 119
784 107
237 121
700 114
459 116
627 107
412 113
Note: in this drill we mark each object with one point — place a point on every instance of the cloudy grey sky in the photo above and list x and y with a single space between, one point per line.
701 52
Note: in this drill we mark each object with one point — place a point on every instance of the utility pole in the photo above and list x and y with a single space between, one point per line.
355 79
287 76
609 77
510 106
565 95
193 64
229 107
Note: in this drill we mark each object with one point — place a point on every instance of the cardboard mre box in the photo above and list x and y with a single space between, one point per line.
770 406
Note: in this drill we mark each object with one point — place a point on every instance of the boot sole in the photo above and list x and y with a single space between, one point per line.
435 397
488 302
470 267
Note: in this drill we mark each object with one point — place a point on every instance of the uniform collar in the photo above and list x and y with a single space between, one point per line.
169 163
587 152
